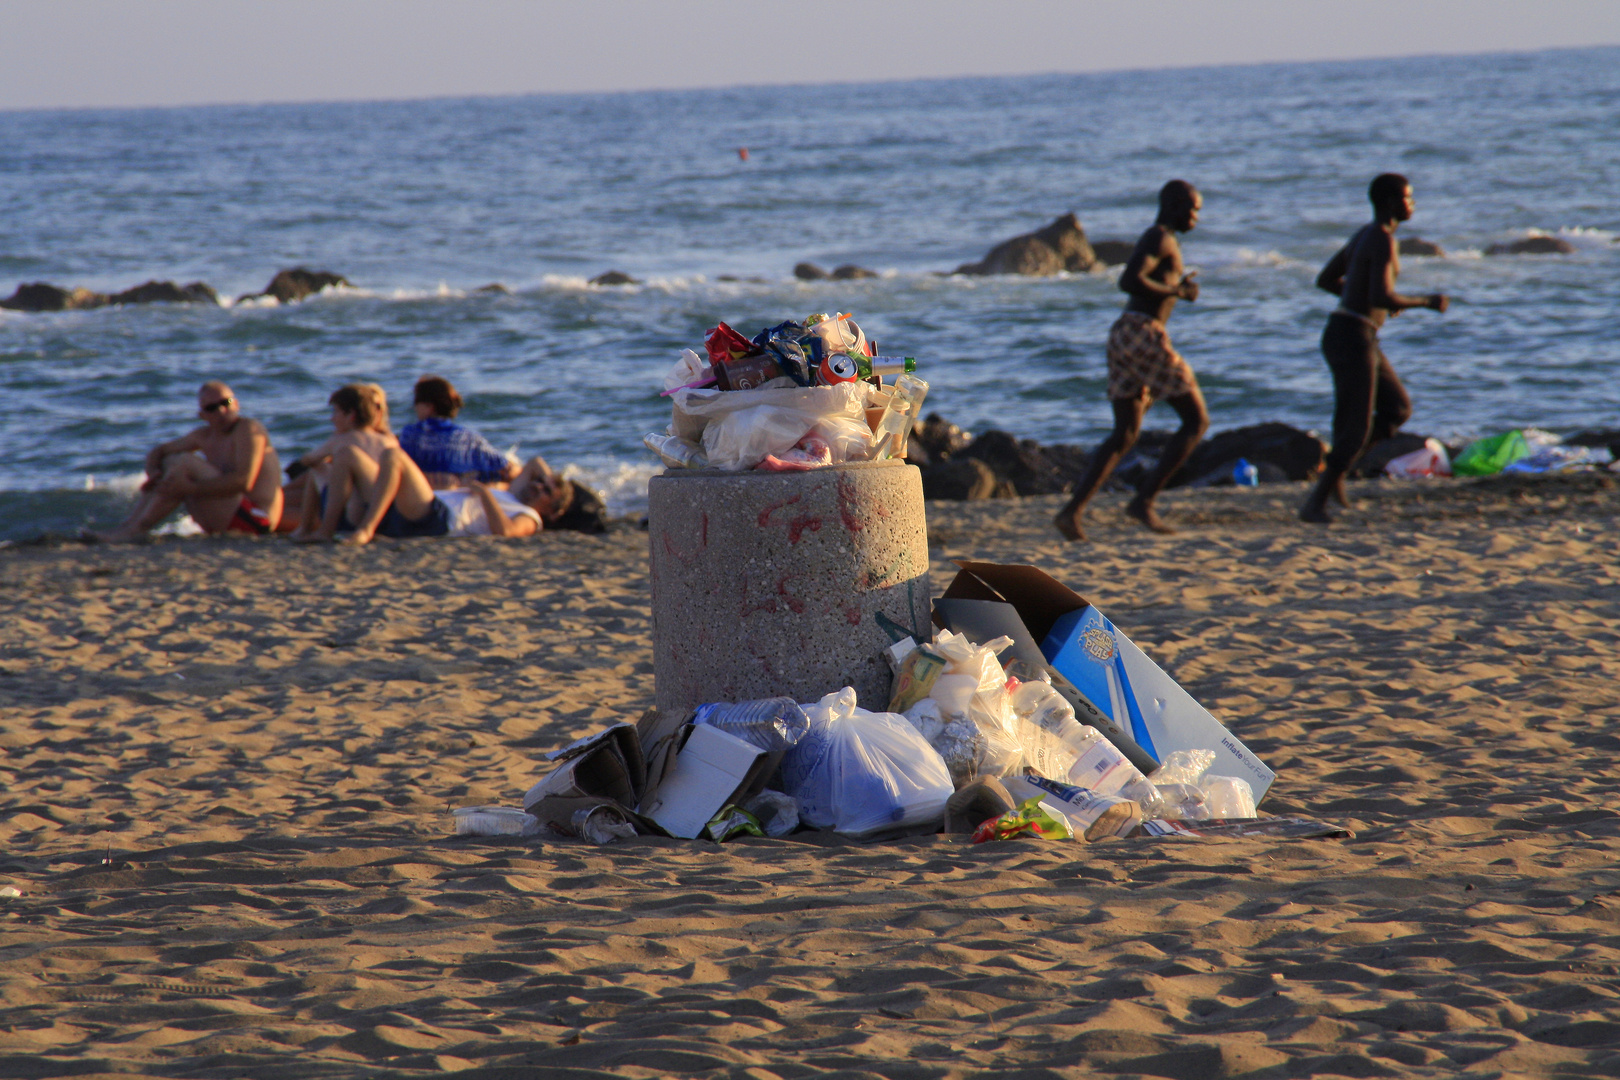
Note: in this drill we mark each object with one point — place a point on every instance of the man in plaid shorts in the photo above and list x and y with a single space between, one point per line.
1143 367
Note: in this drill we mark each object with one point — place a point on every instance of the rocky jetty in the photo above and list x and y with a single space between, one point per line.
809 271
1060 246
43 296
1416 245
1534 245
1113 252
996 464
296 284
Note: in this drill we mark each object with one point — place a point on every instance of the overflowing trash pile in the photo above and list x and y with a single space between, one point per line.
798 395
1027 714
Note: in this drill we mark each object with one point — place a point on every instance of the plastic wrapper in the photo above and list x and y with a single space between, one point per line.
732 821
1184 767
915 679
1228 797
724 343
860 773
778 812
772 724
1033 818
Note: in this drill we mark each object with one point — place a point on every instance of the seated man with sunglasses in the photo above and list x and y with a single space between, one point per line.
225 473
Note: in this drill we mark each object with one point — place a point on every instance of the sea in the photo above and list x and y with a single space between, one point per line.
419 204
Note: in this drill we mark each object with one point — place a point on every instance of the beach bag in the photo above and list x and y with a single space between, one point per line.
861 773
1487 457
1432 460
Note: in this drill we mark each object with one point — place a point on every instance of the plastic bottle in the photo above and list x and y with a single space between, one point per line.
905 407
1244 474
869 366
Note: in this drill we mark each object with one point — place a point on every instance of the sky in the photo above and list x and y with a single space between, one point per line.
112 53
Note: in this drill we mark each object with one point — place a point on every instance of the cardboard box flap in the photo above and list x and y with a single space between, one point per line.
608 764
1040 598
710 768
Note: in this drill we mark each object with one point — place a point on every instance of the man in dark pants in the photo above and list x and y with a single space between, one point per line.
1142 365
1369 402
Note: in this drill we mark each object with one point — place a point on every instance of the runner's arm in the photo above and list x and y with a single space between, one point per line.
1331 279
1383 286
1135 279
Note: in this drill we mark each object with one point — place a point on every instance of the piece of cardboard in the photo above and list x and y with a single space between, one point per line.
711 768
1157 716
605 765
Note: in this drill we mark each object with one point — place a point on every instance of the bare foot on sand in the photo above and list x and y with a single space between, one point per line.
1315 512
1069 525
1143 511
1339 494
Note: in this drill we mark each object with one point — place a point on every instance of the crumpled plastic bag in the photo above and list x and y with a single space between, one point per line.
1487 457
738 429
1432 460
976 734
860 773
686 371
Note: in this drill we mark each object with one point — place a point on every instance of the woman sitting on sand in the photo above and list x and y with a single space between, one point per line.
390 496
359 418
444 450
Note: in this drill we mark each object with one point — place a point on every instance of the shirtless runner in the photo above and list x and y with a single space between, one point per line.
1369 402
225 473
1142 365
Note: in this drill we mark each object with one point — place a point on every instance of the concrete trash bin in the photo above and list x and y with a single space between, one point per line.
768 584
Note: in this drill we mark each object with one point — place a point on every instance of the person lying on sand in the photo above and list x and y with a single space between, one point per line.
359 418
225 473
389 495
447 451
563 504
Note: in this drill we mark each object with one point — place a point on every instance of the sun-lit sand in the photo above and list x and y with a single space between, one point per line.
227 767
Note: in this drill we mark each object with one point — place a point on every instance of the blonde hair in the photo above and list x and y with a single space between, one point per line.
378 398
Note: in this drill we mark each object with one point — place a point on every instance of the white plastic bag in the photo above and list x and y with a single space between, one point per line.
860 773
1432 460
690 368
739 428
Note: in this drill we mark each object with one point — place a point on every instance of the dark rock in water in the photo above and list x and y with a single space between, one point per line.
167 292
613 277
1060 246
42 296
1384 451
1031 469
1113 252
809 271
851 272
1416 245
935 440
1295 454
1593 437
961 480
1534 245
494 287
297 283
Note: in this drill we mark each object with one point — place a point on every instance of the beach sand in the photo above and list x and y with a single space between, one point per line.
227 769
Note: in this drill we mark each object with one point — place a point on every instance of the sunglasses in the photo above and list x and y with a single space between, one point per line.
218 406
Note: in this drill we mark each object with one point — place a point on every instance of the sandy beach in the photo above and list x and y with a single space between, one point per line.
228 765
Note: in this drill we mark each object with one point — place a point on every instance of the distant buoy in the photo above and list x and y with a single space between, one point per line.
742 153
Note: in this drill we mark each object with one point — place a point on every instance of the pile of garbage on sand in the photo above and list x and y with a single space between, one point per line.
1026 714
795 396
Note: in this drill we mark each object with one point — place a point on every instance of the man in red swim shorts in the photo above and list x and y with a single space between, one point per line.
225 473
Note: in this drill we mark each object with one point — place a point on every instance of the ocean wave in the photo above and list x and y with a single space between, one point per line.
622 484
